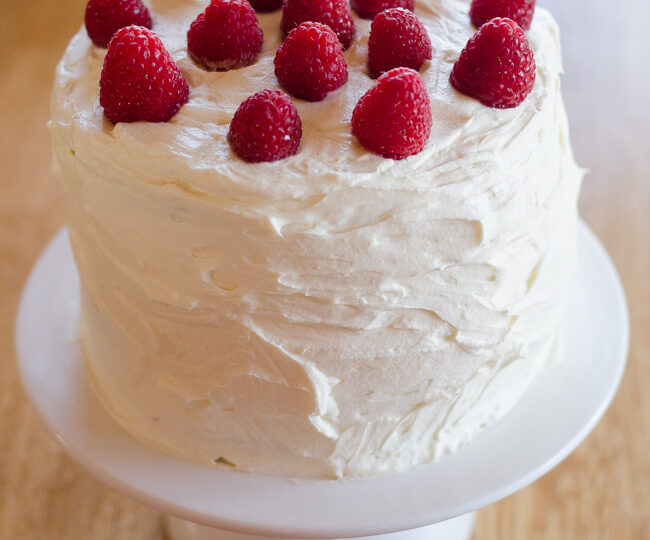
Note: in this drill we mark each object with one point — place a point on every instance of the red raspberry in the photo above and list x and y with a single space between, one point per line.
310 63
496 66
140 80
397 39
334 13
266 127
105 17
225 36
367 9
393 118
266 6
520 11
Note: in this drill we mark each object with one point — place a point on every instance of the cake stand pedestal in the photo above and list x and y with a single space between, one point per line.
210 502
458 528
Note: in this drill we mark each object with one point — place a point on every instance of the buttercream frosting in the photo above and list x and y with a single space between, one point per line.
334 313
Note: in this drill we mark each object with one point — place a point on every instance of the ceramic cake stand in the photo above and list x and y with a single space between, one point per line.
433 502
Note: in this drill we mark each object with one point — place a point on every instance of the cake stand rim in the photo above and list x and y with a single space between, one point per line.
293 527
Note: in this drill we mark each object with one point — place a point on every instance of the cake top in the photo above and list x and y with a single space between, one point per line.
193 146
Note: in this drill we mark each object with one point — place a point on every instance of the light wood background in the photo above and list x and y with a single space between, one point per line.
602 491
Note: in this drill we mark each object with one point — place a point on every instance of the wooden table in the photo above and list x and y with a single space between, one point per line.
601 491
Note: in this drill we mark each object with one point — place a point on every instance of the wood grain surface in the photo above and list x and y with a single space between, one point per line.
602 491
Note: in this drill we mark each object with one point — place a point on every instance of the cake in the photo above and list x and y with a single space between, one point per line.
334 313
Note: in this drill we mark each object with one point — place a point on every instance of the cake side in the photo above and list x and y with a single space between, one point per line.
334 313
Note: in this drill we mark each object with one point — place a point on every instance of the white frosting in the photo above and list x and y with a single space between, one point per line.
334 313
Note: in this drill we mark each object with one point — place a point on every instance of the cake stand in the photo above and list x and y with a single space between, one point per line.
433 502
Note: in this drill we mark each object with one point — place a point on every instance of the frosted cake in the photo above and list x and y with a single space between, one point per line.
334 313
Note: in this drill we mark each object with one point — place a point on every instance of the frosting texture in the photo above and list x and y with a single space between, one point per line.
334 313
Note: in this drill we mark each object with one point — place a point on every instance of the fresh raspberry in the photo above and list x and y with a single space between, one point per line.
367 9
310 63
397 39
140 80
496 66
520 11
393 118
266 127
334 13
225 36
266 6
105 17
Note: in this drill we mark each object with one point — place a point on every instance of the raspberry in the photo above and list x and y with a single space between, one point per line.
225 36
266 127
310 63
334 13
140 80
397 39
496 66
393 118
367 9
520 11
266 6
105 17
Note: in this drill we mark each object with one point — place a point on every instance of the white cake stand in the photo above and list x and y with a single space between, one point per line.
546 425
